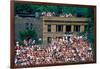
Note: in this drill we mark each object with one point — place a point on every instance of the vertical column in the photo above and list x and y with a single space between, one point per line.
72 28
64 28
53 28
45 28
82 28
44 39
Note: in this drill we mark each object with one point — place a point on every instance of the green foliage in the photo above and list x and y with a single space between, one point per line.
28 34
91 26
80 11
22 8
30 8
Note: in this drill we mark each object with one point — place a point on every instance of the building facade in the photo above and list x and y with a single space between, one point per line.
48 27
58 26
23 23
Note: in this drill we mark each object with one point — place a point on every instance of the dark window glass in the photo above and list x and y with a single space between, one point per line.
49 28
68 28
31 25
59 28
77 28
27 26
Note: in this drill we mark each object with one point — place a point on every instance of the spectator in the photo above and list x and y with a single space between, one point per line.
58 51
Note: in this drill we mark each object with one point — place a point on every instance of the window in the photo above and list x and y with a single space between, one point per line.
28 26
59 28
49 28
68 28
31 26
77 28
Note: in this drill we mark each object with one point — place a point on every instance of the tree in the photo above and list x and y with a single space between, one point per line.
28 34
91 25
23 8
31 8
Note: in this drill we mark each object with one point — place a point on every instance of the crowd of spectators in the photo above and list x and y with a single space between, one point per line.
70 49
54 14
48 14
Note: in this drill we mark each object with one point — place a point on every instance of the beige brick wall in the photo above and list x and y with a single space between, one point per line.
45 28
64 28
72 28
66 18
53 32
53 28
